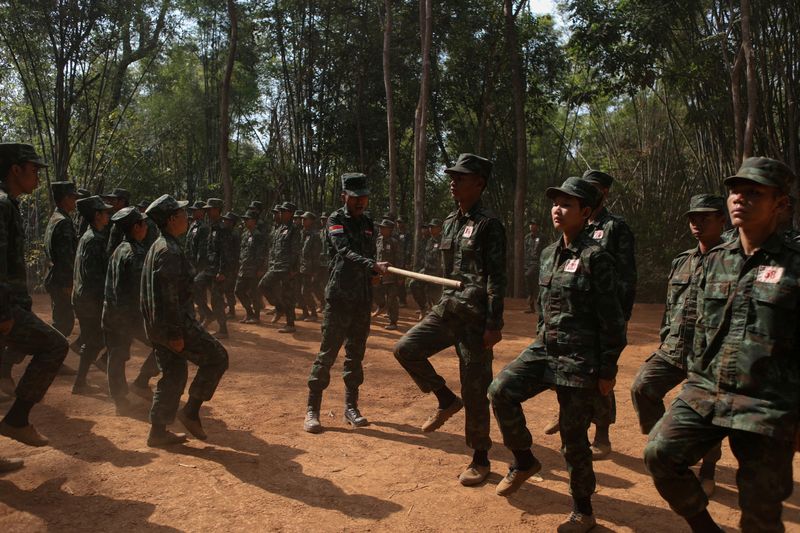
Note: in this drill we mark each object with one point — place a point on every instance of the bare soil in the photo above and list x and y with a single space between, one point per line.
259 471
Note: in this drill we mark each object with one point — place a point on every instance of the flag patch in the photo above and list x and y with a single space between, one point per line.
336 230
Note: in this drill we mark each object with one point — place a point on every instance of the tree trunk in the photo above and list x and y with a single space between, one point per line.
421 121
521 145
224 114
387 83
752 82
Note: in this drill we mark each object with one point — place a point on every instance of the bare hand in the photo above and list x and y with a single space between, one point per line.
606 386
6 326
176 345
491 337
220 277
381 267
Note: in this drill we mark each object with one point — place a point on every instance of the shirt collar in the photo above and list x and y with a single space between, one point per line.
472 210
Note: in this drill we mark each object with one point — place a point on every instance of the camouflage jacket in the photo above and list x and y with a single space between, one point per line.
91 263
166 291
60 243
581 328
614 234
474 252
419 264
220 253
745 370
153 233
432 260
390 250
406 247
121 308
533 249
12 250
197 244
352 244
680 313
115 236
311 251
284 254
251 254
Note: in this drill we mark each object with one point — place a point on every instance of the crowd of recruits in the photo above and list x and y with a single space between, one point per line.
730 328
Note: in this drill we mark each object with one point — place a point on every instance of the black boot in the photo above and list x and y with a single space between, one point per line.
351 413
311 423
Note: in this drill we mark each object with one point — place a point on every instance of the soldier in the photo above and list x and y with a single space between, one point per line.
250 261
416 288
7 464
309 266
429 293
298 218
388 250
533 248
197 253
122 316
580 335
91 263
166 304
217 266
233 244
474 252
60 243
348 298
21 330
666 368
405 244
278 284
117 199
743 378
81 222
152 228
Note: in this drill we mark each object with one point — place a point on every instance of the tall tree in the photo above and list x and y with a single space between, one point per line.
390 127
421 120
224 109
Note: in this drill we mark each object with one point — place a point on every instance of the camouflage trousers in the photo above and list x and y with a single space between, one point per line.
386 297
230 291
532 284
764 476
200 288
118 343
342 323
320 282
425 294
247 292
434 334
307 290
91 338
63 315
279 290
523 379
201 349
218 303
31 336
605 410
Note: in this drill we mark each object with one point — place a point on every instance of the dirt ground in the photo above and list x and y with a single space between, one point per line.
259 471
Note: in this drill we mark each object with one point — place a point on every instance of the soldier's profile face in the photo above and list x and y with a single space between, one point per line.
385 231
26 176
706 227
752 205
69 202
435 231
466 187
308 223
250 223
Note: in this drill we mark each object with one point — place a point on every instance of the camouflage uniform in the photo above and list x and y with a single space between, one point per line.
580 335
427 294
743 383
30 335
219 261
250 261
346 316
309 269
197 250
60 243
278 284
234 247
473 249
91 264
167 308
152 234
533 248
388 249
122 318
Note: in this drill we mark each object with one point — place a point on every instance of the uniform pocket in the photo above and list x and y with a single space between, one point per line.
715 296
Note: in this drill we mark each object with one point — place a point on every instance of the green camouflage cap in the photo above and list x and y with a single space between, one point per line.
83 193
214 203
163 206
16 153
577 187
355 184
288 206
298 213
127 216
198 204
255 204
387 223
596 177
765 171
233 217
324 215
142 205
118 193
60 189
88 206
251 214
706 203
471 164
309 214
435 222
276 208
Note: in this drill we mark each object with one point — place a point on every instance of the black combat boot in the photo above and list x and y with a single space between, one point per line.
311 423
351 413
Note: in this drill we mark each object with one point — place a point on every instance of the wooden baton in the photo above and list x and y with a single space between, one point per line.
444 282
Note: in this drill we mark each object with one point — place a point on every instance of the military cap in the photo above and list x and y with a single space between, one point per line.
251 213
163 206
533 221
127 216
765 171
16 153
214 203
60 189
143 204
309 214
276 208
471 164
595 177
577 187
435 222
705 203
387 223
324 215
298 213
83 193
355 184
230 215
198 204
120 193
87 206
288 206
255 204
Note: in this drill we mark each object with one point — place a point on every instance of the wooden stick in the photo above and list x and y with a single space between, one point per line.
452 283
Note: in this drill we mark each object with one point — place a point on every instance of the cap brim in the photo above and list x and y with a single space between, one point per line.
702 210
106 207
182 203
554 191
356 192
38 162
761 181
459 169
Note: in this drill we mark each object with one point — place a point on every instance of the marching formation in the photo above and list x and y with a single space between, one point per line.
160 272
